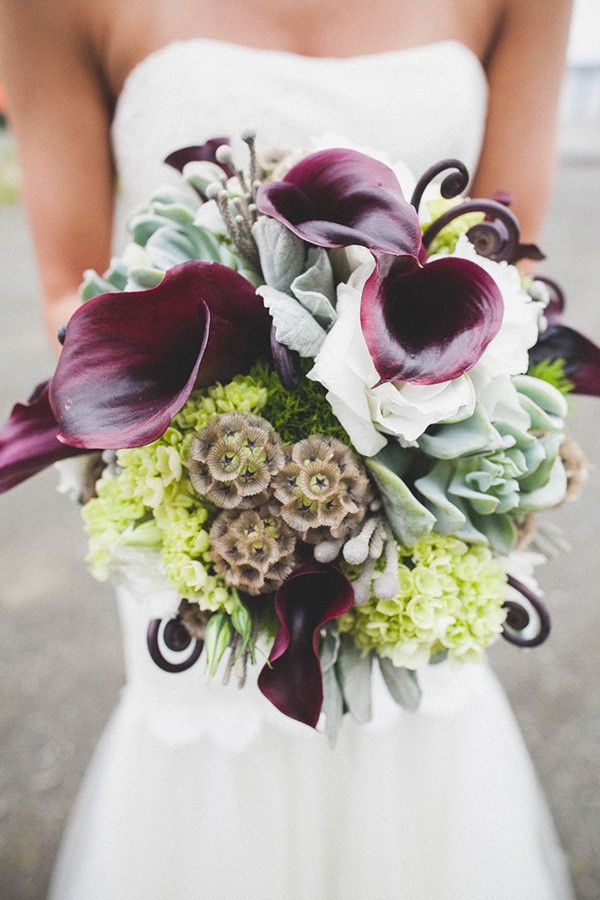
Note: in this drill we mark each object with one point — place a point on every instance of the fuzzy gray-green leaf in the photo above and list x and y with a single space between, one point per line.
333 705
294 326
354 675
402 684
282 253
314 288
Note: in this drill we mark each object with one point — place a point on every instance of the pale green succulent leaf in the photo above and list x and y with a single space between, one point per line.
174 195
93 285
550 444
117 274
200 173
499 531
409 519
550 494
168 247
143 278
329 647
395 457
209 247
482 503
543 394
543 403
434 489
175 212
143 225
471 435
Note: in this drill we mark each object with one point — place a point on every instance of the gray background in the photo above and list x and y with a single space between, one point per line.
60 663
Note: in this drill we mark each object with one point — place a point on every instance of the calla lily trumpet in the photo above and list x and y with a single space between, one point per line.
292 679
422 324
130 361
580 355
29 442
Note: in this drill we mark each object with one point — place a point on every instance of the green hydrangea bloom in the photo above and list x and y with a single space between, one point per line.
152 502
450 599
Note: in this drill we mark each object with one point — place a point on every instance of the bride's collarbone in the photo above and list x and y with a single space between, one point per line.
339 28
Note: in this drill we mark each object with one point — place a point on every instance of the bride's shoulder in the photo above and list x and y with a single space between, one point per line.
49 33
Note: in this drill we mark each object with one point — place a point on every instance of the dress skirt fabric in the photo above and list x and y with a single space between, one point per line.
218 795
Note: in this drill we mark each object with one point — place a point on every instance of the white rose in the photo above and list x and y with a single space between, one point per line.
369 412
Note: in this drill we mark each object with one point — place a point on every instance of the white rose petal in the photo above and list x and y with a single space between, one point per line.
368 412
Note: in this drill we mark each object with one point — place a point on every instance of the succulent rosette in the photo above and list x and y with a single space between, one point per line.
314 417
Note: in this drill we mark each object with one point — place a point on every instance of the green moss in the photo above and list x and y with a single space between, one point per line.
552 371
297 414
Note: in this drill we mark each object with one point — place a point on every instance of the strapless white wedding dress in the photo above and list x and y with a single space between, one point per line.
202 791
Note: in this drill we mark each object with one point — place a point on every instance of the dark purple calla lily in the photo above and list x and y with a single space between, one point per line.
336 198
292 680
581 356
130 360
428 324
28 441
202 153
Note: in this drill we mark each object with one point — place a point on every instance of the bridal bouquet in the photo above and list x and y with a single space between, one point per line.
314 420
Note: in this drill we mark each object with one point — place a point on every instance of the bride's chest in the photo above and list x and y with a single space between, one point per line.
131 30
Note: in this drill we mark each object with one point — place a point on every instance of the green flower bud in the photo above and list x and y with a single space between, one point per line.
218 635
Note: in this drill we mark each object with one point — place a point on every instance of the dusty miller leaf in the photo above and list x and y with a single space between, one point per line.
402 684
354 674
294 326
333 705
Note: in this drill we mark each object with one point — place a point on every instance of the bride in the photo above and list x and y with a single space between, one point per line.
198 792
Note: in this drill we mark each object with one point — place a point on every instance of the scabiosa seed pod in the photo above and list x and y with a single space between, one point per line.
193 619
233 459
323 491
252 549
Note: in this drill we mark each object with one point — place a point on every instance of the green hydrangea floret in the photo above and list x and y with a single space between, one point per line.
152 488
445 241
450 600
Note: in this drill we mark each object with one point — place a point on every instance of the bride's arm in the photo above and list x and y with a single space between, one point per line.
524 68
60 115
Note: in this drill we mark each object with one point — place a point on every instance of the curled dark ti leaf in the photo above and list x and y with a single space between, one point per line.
557 296
497 238
518 617
175 637
452 185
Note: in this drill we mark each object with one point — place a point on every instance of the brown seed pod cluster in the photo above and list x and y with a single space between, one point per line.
233 458
253 550
273 497
322 489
